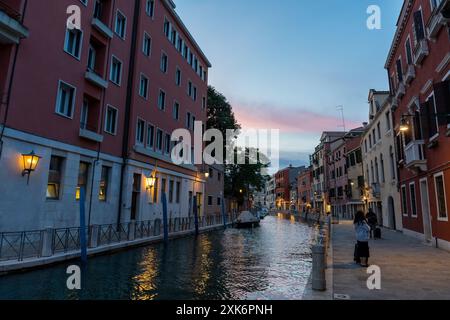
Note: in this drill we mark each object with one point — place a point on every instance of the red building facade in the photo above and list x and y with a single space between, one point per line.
305 190
98 105
418 66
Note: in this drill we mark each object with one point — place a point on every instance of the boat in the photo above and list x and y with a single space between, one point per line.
246 220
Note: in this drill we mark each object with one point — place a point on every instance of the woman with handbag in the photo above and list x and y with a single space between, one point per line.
362 231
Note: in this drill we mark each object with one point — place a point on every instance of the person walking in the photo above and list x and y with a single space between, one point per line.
372 220
362 231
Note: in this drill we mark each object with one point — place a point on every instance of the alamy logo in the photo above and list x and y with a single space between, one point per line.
74 280
74 19
374 19
374 280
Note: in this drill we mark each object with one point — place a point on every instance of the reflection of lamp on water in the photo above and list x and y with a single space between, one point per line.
30 162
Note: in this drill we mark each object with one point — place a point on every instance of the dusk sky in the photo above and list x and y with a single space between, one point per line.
288 64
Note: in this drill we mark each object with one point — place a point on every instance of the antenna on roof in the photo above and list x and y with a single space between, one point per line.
341 109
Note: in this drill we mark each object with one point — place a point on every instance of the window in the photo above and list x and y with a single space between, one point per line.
194 95
383 178
379 130
147 45
54 178
170 191
408 51
179 44
65 101
219 201
365 145
431 111
392 159
140 130
92 55
155 191
370 140
210 200
204 103
111 120
84 114
83 172
173 36
166 28
419 29
150 136
116 71
150 8
176 110
167 143
162 100
412 195
439 188
159 140
163 187
178 192
164 62
404 201
98 9
435 4
374 137
104 181
189 89
178 77
188 120
143 87
399 70
388 121
121 24
72 44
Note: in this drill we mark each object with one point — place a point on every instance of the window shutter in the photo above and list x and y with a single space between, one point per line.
442 96
399 71
418 25
425 119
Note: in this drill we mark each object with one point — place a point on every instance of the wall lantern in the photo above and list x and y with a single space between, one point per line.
207 174
30 162
404 124
150 182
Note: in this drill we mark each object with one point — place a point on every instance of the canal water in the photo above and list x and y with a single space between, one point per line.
270 262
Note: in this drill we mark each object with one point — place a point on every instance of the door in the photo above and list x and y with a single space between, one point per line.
391 210
425 210
135 196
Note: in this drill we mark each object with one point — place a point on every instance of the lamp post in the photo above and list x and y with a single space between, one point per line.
30 162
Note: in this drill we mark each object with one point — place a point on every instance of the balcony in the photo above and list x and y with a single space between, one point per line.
90 133
11 29
394 104
95 79
400 91
414 155
102 28
410 74
376 190
438 19
421 52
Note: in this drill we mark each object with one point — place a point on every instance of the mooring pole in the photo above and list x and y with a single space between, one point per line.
165 222
223 213
195 209
83 242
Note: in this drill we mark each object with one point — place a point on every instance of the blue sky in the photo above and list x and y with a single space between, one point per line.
287 64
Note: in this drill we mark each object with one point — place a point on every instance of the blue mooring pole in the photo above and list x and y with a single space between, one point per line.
83 242
165 222
195 208
223 213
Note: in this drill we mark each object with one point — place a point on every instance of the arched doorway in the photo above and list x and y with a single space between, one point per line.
391 210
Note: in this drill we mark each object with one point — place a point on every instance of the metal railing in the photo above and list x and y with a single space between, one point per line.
17 246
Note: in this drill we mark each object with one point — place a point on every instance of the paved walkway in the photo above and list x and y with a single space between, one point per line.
409 269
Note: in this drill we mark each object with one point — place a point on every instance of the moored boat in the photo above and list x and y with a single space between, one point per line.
246 220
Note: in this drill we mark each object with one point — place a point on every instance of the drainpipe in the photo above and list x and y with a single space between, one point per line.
127 123
8 97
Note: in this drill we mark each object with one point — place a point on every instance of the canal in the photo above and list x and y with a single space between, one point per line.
270 262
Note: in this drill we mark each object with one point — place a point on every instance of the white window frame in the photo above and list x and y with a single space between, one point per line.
116 24
116 120
142 121
58 99
113 57
411 199
141 76
408 39
146 8
147 37
404 201
162 108
78 57
178 69
175 102
163 53
147 142
440 174
162 140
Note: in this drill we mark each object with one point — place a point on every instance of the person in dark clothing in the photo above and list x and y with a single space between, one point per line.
362 231
372 220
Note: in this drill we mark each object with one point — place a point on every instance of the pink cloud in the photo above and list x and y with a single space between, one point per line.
287 119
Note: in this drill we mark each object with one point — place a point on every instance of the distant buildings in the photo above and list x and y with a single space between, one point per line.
305 194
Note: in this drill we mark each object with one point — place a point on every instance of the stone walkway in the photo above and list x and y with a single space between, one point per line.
409 269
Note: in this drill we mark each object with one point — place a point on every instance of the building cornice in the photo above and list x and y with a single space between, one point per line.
401 22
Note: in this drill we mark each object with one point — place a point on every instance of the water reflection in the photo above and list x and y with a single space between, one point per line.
270 262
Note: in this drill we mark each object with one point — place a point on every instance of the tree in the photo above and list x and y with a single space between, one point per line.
239 178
